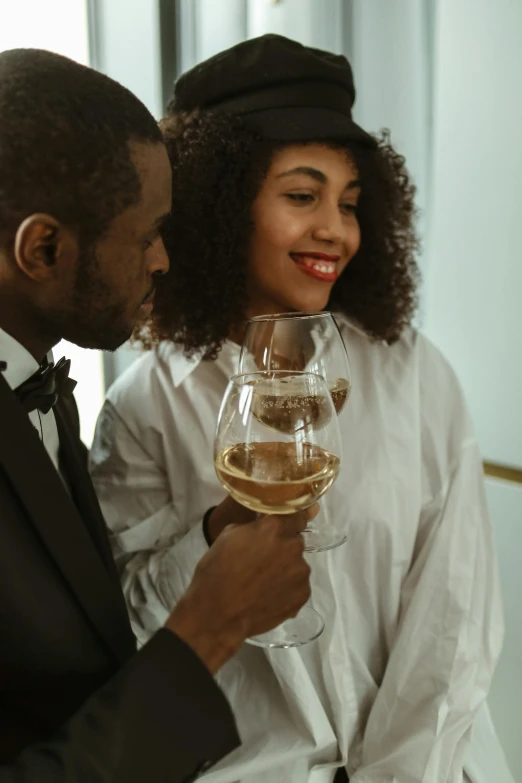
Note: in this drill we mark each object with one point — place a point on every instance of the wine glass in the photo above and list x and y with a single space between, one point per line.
277 450
305 342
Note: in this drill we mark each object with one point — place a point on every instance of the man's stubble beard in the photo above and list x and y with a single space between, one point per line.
92 319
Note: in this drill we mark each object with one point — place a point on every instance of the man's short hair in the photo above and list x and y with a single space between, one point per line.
65 131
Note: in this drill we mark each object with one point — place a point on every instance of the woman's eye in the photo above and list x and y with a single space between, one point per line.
300 198
149 242
352 208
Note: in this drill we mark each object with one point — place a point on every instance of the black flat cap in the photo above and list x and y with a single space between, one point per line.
280 88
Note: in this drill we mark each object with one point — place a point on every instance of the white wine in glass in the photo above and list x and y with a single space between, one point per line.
279 469
268 477
303 342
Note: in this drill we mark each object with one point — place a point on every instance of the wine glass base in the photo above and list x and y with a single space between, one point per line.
321 540
305 627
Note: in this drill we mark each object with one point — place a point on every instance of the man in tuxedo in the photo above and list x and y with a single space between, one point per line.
84 186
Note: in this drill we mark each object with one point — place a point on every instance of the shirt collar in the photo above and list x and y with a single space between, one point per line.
20 364
182 366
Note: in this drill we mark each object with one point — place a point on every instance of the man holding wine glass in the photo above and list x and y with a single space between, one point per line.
85 183
283 208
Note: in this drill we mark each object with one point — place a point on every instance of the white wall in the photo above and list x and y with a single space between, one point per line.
311 22
128 48
389 49
209 27
505 699
474 279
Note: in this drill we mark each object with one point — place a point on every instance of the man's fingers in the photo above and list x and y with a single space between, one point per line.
312 511
291 524
296 523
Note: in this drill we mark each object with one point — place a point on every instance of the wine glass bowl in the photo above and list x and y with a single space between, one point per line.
277 447
267 477
303 342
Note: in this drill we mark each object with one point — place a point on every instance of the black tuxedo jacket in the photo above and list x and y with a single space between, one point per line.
77 703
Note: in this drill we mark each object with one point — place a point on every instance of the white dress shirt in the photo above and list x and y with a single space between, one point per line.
20 366
411 601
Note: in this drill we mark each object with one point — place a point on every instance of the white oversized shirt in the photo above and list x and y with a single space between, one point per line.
411 601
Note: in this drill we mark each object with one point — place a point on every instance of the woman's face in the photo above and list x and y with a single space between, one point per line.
305 229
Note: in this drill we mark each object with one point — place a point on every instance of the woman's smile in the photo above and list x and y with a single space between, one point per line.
321 266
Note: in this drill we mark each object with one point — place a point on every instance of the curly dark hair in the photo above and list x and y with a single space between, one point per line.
218 167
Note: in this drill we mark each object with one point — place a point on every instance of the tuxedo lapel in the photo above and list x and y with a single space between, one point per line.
59 525
74 466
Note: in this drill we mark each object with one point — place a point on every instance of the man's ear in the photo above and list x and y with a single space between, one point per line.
39 243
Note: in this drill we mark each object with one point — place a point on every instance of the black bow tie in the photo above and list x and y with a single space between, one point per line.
43 388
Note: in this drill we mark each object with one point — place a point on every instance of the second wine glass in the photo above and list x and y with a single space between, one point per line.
303 342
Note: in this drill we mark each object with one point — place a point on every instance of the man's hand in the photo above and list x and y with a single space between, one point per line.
229 512
252 579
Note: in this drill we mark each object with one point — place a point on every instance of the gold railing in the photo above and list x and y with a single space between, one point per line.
504 472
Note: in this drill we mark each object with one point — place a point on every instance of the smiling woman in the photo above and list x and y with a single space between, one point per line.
281 202
245 211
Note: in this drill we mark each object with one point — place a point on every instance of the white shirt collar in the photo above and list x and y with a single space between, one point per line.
182 366
20 364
